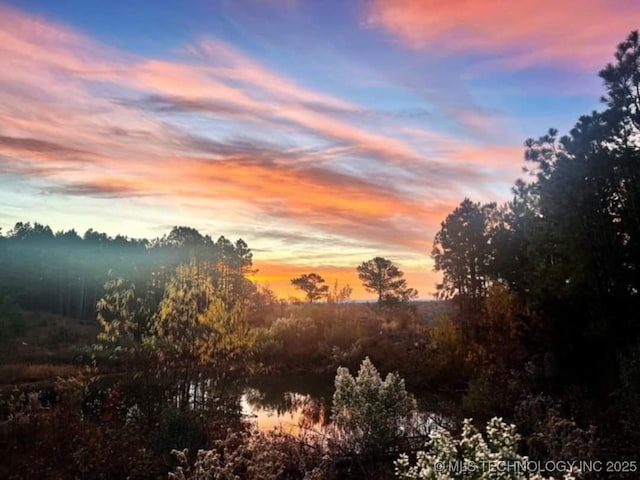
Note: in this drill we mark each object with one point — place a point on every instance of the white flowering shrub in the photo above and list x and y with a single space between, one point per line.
368 413
472 457
255 455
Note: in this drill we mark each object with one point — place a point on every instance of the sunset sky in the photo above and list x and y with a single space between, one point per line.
323 133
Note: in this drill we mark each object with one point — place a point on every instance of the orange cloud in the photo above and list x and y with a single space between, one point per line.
192 87
274 152
504 157
572 33
315 198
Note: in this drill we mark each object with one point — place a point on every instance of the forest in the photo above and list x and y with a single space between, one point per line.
128 358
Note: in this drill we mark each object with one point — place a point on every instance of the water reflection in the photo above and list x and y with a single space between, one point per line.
301 403
293 413
292 403
295 404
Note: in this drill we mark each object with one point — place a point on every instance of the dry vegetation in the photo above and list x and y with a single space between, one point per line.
50 346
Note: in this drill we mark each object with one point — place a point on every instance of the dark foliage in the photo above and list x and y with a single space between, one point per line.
567 249
66 274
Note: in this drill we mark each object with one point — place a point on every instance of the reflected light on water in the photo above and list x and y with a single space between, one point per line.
291 419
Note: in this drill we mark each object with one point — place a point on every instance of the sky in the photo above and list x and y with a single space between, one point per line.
323 133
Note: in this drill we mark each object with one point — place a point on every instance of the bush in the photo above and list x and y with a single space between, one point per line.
255 455
60 443
447 359
548 435
313 334
471 457
369 414
298 337
493 391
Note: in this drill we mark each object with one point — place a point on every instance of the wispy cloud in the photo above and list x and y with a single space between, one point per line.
217 131
34 145
575 34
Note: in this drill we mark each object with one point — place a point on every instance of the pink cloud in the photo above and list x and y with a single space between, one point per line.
61 123
68 63
572 33
278 99
229 63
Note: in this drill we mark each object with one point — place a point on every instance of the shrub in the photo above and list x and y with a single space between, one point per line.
298 336
550 436
447 359
493 391
471 457
255 455
369 414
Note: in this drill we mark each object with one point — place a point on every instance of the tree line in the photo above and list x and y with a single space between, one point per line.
378 276
563 255
66 273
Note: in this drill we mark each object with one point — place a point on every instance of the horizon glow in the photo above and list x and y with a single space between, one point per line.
322 133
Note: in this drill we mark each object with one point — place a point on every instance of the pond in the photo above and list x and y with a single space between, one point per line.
295 403
291 402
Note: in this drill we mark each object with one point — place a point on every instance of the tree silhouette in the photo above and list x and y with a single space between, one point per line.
622 80
382 277
311 284
568 244
461 250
